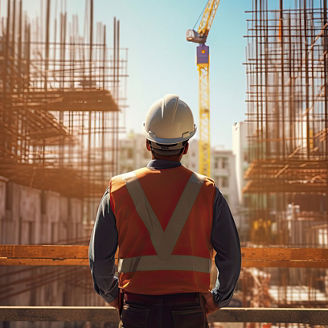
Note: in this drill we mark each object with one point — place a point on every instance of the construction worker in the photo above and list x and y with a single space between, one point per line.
166 221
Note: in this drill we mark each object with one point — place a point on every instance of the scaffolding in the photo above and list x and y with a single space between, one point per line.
287 119
62 101
62 94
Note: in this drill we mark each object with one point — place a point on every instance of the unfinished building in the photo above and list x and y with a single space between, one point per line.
62 97
287 118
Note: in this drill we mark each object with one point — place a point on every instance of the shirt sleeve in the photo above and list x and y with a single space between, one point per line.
102 248
225 241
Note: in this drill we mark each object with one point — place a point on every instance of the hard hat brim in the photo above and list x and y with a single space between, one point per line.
168 141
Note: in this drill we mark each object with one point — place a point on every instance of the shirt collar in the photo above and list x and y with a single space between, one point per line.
159 164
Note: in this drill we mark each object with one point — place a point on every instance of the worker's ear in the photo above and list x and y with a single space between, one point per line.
148 145
185 151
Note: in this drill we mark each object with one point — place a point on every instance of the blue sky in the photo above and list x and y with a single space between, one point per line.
161 61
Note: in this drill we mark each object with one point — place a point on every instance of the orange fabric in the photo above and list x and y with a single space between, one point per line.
163 189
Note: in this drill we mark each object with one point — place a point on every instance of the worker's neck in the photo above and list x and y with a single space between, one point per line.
176 158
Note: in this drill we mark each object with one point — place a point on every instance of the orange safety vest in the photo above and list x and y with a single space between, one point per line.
164 221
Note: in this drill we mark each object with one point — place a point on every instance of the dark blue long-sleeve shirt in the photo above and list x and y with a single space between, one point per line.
224 239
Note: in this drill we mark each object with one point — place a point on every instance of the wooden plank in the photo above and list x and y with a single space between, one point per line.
43 262
272 253
285 257
44 251
58 313
271 315
317 316
62 255
284 264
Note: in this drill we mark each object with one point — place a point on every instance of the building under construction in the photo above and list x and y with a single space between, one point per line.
61 94
62 98
287 117
62 101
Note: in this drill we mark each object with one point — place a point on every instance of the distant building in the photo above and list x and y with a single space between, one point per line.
30 216
222 171
190 160
224 175
133 153
240 150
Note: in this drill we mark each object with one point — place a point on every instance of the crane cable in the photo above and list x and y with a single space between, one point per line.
200 14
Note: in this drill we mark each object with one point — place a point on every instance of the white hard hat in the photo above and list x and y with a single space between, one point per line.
169 121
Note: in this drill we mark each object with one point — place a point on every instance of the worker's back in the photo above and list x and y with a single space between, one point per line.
164 220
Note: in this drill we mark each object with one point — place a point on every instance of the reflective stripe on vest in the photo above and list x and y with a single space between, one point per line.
164 241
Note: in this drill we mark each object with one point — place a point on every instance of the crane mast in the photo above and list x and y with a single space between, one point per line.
204 146
203 65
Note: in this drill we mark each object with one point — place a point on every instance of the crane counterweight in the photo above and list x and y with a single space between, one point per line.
194 36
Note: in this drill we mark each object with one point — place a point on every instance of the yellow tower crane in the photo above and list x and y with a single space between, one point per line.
203 63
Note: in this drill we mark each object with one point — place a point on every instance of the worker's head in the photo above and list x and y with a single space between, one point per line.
168 127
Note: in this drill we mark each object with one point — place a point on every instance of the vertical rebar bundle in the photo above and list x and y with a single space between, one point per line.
287 116
62 94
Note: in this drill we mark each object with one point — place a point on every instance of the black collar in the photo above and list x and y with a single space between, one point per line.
159 164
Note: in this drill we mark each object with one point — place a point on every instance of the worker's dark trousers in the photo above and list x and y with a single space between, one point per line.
164 311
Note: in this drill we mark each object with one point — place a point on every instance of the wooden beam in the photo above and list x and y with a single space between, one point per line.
44 255
271 315
65 255
284 253
283 264
284 257
44 251
58 313
109 314
43 262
